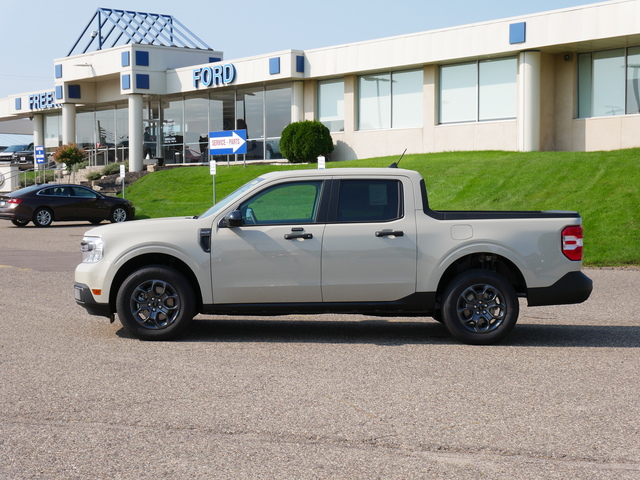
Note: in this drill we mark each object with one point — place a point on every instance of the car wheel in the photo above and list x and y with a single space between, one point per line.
19 223
119 215
42 217
480 307
95 222
155 303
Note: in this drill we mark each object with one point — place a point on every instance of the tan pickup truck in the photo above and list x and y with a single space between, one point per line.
341 240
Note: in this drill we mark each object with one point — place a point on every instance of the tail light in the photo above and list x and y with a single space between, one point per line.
572 242
15 201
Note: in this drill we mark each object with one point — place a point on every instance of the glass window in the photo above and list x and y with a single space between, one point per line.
585 85
278 110
250 112
122 131
52 135
283 204
86 130
633 81
458 93
406 99
497 89
369 201
479 91
172 132
196 128
331 104
222 112
82 192
374 106
608 81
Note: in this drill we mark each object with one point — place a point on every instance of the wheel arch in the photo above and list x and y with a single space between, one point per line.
484 261
154 259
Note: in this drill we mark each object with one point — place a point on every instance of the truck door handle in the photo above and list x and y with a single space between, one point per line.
293 236
389 233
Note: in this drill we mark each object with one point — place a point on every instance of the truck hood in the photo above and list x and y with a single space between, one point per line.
136 226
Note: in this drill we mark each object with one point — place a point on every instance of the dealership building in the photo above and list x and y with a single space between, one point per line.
138 86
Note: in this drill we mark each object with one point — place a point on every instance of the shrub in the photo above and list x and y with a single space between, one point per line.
113 168
305 141
94 176
70 154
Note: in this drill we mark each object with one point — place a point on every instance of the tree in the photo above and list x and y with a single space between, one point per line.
69 154
304 141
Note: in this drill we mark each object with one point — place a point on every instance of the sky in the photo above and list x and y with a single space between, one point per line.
35 32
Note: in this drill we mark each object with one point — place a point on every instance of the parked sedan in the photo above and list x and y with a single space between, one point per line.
44 204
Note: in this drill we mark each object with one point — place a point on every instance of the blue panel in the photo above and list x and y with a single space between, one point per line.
274 65
214 59
126 59
58 71
142 81
517 33
74 91
125 81
59 92
18 104
300 64
142 59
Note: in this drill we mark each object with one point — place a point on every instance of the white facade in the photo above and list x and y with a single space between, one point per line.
536 82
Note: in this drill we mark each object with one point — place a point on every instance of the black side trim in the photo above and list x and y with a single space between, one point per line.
85 299
418 304
574 287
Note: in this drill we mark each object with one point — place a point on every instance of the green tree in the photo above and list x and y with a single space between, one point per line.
304 141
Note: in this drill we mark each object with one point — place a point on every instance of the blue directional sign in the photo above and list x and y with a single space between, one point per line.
40 155
228 142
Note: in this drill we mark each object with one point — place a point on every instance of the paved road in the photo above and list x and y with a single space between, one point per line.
317 397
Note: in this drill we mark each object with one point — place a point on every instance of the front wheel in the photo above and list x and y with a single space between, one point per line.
480 307
119 215
155 303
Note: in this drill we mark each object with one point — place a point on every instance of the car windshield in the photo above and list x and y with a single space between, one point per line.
16 148
230 198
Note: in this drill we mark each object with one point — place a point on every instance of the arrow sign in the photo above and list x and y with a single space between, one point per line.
228 142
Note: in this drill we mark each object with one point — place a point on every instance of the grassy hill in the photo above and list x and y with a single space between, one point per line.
602 186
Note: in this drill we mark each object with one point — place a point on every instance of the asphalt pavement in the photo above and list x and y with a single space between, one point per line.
317 397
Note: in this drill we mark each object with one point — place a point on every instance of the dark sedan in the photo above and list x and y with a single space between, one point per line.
44 204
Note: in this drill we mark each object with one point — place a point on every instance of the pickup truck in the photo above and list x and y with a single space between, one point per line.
340 240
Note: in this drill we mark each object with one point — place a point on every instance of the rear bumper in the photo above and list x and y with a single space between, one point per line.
574 287
85 299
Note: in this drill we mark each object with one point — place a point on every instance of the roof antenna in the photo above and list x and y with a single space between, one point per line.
395 164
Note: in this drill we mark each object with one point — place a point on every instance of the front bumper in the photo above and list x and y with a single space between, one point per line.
574 287
84 298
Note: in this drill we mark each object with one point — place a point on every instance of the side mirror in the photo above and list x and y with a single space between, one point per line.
233 219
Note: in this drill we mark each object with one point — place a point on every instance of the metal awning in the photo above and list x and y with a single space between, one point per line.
110 28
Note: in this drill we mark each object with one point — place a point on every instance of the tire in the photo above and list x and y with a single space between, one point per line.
42 217
155 303
118 215
95 222
480 307
19 223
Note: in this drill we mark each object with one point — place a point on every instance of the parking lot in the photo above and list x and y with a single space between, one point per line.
317 397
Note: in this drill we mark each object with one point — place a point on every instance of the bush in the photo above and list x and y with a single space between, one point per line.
94 176
304 141
70 154
113 169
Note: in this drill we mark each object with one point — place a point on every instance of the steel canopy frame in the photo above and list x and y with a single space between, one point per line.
109 28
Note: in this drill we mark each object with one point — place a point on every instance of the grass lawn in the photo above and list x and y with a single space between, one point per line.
602 186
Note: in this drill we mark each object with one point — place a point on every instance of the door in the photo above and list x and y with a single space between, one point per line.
274 257
369 248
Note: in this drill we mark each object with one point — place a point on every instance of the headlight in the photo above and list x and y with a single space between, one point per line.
92 249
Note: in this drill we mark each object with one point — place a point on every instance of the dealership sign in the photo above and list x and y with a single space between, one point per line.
228 142
215 76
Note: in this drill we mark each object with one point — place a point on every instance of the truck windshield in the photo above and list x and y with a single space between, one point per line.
230 198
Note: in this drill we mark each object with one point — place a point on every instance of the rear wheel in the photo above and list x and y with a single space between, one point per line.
156 303
19 223
480 307
42 217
